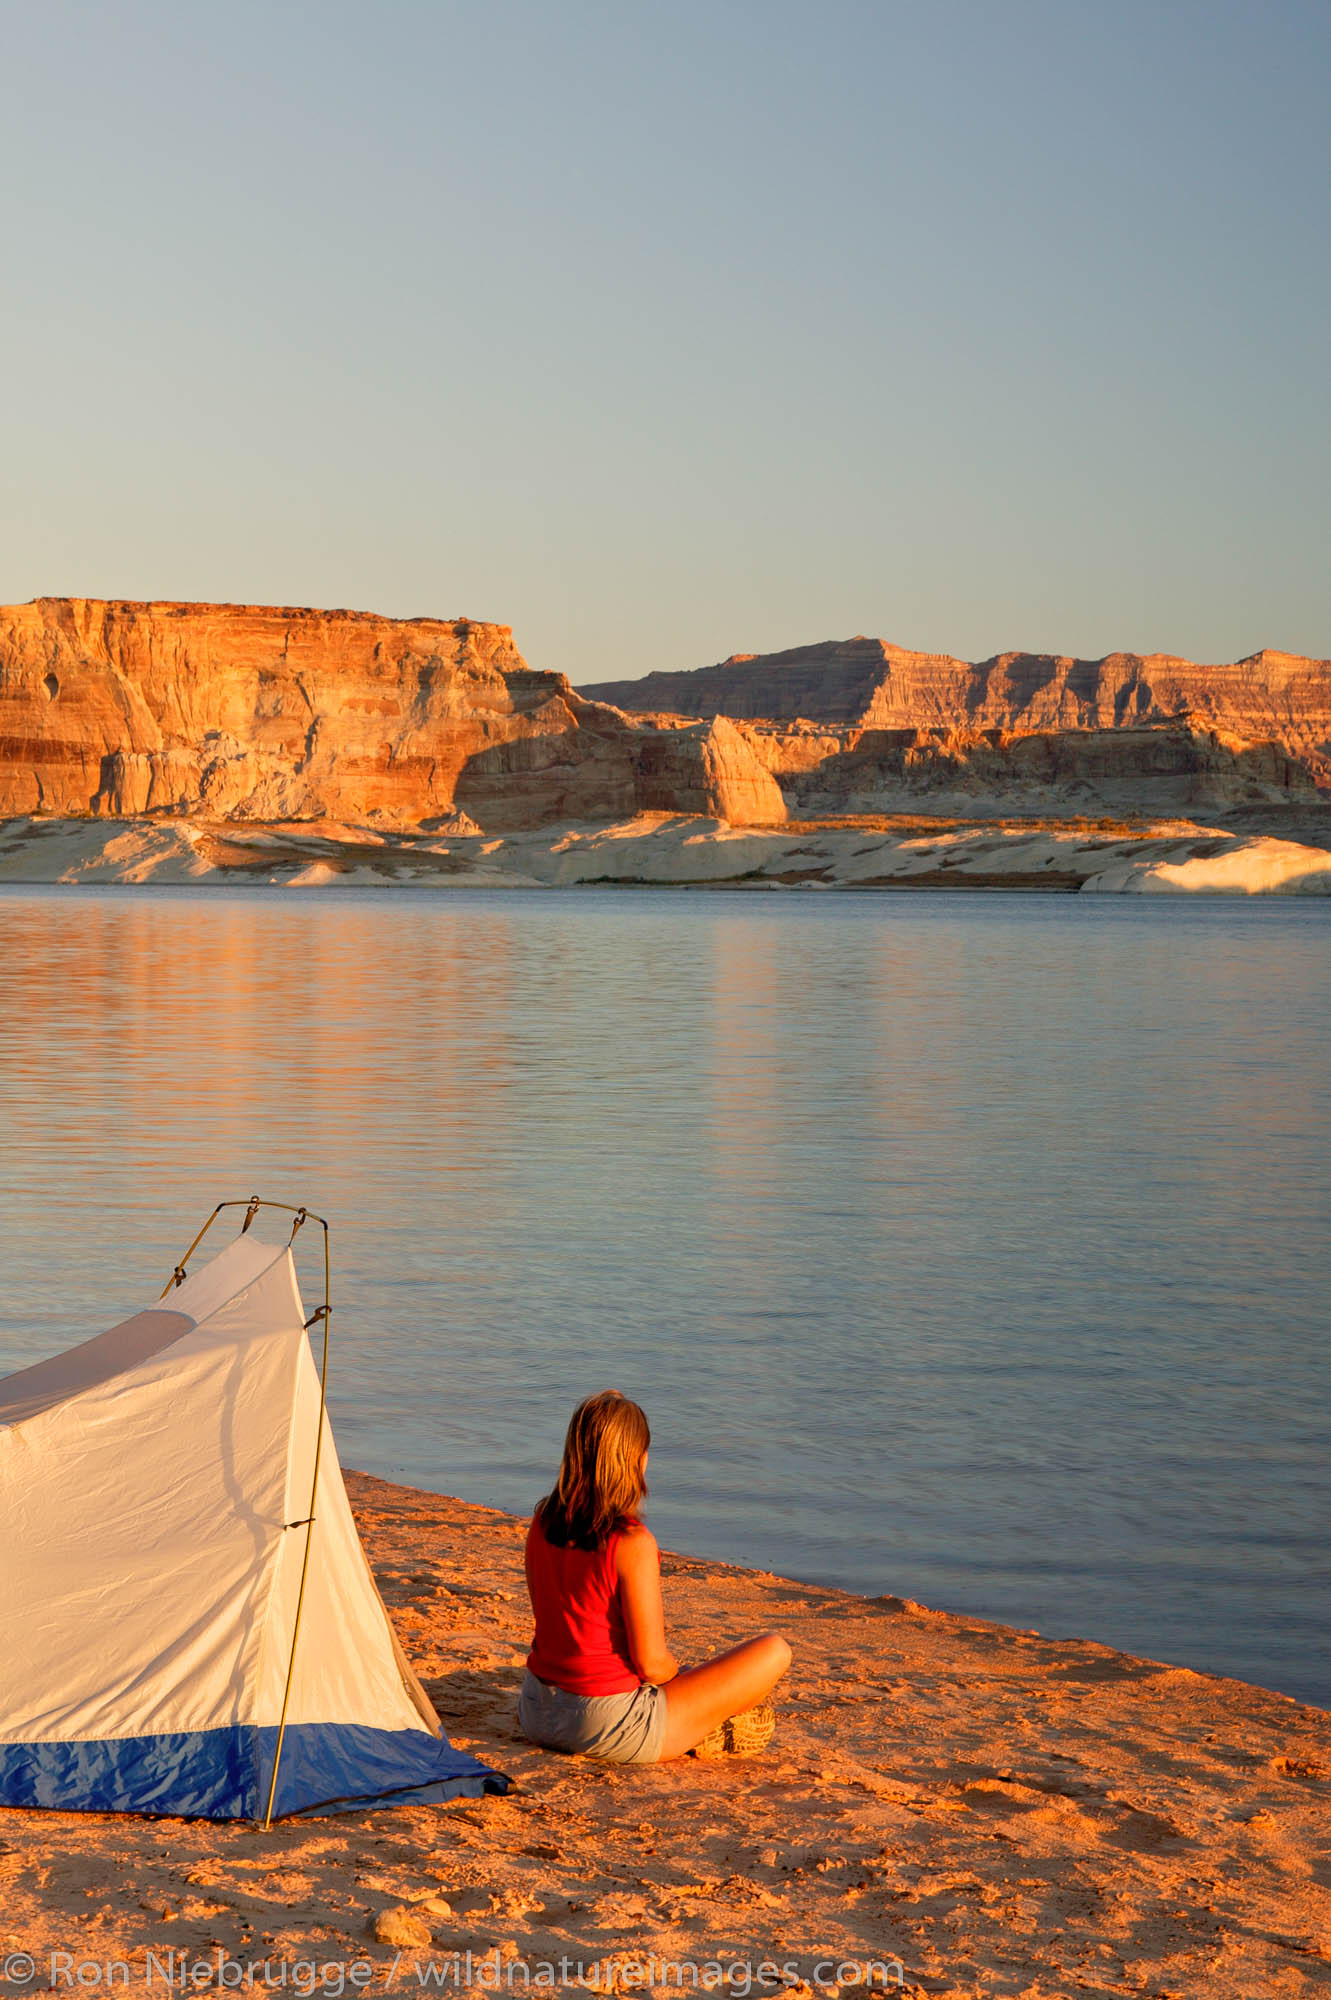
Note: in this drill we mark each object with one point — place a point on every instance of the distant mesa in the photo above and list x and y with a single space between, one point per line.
861 725
287 715
868 683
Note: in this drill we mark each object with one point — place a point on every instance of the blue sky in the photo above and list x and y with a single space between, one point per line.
661 332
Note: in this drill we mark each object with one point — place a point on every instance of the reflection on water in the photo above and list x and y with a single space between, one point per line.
970 1248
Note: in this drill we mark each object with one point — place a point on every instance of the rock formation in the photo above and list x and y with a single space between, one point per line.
261 713
243 712
862 726
1168 767
1278 697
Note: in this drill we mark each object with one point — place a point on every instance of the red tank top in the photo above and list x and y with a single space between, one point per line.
579 1644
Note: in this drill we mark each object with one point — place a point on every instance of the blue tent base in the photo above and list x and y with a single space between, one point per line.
346 1767
225 1773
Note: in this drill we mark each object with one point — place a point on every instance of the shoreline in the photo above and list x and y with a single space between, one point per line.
998 1812
662 850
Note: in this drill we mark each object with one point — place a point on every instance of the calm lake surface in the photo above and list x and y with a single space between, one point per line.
969 1247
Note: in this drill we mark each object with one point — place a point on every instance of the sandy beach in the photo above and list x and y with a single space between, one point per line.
993 1811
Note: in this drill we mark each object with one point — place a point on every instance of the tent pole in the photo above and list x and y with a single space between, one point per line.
299 1217
325 1314
251 1208
178 1275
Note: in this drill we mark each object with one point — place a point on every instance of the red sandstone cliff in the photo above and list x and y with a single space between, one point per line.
258 712
263 713
866 684
862 726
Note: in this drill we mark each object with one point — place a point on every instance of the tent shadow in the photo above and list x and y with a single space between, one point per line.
479 1704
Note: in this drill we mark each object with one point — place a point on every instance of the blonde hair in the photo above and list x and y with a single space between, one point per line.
600 1481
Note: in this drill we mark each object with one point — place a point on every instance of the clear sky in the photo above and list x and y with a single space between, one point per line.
665 331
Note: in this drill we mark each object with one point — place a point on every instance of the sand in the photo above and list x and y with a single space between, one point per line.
994 1812
673 850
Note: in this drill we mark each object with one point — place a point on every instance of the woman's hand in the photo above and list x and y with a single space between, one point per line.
638 1567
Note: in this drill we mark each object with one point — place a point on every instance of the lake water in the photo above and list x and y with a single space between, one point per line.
969 1247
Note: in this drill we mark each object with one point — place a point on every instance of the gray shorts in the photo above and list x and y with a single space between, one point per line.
626 1728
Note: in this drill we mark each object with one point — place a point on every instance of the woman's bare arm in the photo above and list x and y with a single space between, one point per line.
638 1566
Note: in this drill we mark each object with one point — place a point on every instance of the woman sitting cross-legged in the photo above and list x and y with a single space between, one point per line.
600 1678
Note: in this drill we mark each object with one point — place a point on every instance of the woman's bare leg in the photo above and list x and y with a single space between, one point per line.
700 1697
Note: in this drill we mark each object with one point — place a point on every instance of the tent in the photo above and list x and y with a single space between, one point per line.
163 1626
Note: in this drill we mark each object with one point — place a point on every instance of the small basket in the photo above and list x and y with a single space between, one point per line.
742 1735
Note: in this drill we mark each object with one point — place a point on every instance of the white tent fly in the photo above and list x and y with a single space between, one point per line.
155 1502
